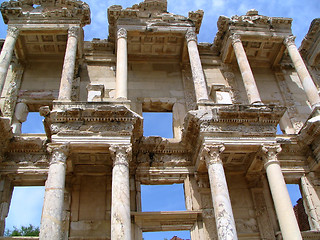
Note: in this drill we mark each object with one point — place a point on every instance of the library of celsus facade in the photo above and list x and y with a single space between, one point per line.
227 99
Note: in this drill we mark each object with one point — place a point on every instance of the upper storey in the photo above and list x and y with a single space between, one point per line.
261 36
46 11
152 31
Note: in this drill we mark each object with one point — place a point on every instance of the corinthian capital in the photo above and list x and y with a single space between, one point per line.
13 31
270 152
59 152
191 35
73 32
235 38
288 41
121 154
122 33
211 153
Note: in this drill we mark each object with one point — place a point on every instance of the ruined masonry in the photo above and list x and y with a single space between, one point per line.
227 99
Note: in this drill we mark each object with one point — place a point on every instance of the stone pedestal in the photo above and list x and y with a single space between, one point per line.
51 219
305 78
120 199
226 227
67 76
122 65
6 54
286 217
200 84
245 69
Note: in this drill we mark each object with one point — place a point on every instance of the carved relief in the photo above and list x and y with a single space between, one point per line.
288 41
212 153
13 32
191 36
59 153
122 33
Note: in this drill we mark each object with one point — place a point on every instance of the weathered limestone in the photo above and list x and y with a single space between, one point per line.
51 219
122 65
246 72
226 227
199 81
287 220
20 116
120 199
305 78
67 76
6 53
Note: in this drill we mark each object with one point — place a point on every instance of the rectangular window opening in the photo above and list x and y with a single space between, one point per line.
167 235
33 124
156 198
157 124
25 208
298 206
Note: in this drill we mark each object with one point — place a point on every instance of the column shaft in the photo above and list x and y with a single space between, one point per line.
199 81
51 219
120 197
122 65
245 69
220 195
303 73
286 217
67 75
6 54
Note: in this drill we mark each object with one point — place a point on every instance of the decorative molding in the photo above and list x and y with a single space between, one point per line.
212 153
235 38
59 152
270 153
73 32
122 33
191 35
121 154
13 31
288 41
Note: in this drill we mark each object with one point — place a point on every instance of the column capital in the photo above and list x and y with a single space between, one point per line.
235 38
289 40
121 154
211 153
122 33
73 32
191 35
59 152
270 153
13 31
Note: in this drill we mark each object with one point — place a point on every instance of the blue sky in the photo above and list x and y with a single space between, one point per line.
302 12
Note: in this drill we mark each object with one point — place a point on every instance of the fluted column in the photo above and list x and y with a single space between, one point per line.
120 199
305 78
6 54
286 217
122 65
67 75
51 219
200 84
245 69
219 190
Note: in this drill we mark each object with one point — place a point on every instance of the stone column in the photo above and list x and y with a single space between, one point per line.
199 81
6 54
286 217
67 75
305 78
20 116
122 65
226 227
245 69
51 219
120 199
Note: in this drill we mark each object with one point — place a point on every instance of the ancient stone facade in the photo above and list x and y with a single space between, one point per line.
227 99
